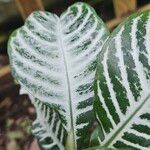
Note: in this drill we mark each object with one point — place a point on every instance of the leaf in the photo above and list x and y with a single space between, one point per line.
95 136
48 127
122 86
54 59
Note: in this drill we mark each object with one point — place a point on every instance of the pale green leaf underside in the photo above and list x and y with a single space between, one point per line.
54 59
122 86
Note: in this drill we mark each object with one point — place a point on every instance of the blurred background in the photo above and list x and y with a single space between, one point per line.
17 112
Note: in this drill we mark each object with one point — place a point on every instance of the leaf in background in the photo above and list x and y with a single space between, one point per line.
48 127
122 87
54 59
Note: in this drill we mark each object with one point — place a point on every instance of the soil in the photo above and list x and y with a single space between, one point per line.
16 115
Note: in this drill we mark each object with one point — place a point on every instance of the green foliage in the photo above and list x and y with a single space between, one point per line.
49 55
122 86
54 59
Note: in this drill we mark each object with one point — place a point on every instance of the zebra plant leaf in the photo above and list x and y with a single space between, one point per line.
53 134
122 87
54 60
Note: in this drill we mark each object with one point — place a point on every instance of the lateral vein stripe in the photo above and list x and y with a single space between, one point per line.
82 37
122 67
134 145
80 27
33 52
39 25
105 134
47 17
96 40
104 105
110 85
62 17
139 134
37 38
135 54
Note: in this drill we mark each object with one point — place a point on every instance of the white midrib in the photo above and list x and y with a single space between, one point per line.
62 48
118 131
114 136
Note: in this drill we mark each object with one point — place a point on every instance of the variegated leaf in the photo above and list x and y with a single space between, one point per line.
122 87
54 59
48 127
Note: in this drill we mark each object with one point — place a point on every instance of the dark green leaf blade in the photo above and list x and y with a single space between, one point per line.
122 86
